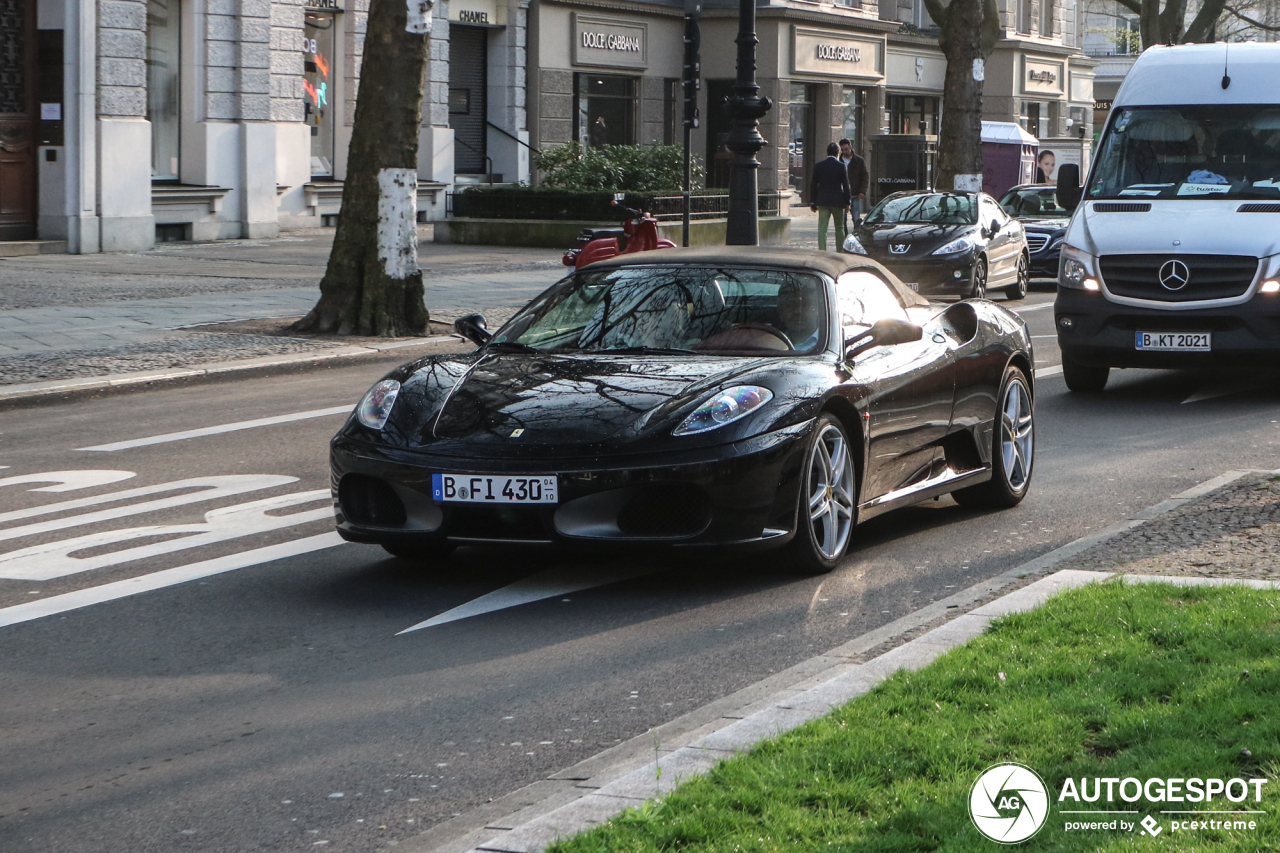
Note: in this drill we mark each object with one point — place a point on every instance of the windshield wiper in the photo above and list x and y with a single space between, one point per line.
512 346
649 351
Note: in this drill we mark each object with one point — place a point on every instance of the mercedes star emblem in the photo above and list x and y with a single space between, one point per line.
1174 275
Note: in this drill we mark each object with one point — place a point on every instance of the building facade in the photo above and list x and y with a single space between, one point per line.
608 72
131 121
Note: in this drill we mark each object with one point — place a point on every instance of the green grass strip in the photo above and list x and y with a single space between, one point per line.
1105 681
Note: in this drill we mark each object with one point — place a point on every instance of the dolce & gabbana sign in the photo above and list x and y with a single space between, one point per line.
835 54
609 42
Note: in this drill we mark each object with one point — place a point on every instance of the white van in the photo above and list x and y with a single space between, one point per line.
1172 259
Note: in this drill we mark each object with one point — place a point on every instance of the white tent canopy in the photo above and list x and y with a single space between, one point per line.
1006 133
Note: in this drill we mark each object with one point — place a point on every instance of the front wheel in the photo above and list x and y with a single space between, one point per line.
827 507
978 282
1023 284
1084 378
1012 451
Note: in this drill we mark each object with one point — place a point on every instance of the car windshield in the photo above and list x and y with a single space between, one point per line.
1221 151
1033 203
675 309
934 208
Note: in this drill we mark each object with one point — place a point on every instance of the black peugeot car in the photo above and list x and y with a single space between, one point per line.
1036 207
960 244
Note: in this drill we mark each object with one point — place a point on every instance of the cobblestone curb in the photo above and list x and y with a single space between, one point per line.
594 790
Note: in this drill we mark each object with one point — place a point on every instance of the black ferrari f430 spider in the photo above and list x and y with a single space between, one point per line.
716 398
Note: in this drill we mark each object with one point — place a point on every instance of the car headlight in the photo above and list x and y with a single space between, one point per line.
1076 270
375 408
851 244
725 407
960 244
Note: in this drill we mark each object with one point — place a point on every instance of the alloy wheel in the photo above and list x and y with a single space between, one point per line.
1017 436
978 288
831 492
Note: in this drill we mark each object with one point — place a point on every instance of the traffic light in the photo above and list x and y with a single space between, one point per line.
691 80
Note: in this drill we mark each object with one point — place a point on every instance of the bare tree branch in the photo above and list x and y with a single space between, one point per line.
1250 21
1204 22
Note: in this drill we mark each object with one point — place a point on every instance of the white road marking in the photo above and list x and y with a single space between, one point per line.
221 428
1039 307
1046 372
209 488
68 481
68 601
546 584
51 560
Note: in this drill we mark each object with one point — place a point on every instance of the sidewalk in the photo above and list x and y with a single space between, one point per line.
182 305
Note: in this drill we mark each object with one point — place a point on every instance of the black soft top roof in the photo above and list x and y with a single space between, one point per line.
829 263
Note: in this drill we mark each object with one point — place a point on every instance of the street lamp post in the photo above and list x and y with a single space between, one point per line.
746 108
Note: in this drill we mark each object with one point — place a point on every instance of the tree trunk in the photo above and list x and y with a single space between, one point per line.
372 285
969 31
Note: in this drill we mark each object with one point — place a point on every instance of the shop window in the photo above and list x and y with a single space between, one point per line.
606 110
800 149
164 41
320 108
718 125
912 115
1046 18
673 110
1033 118
854 102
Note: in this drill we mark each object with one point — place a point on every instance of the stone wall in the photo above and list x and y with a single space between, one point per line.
555 125
286 60
122 59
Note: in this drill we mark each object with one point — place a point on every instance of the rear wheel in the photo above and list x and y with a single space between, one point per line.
1012 451
1023 284
827 506
1084 378
419 551
978 280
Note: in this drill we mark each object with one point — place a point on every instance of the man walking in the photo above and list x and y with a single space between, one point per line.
859 180
829 196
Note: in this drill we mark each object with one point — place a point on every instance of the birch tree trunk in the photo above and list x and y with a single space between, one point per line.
372 285
969 32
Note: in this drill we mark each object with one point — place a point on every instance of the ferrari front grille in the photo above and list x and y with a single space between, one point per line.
369 502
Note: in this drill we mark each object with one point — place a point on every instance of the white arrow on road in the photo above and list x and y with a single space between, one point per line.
545 584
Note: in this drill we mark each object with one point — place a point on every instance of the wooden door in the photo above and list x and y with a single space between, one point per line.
18 115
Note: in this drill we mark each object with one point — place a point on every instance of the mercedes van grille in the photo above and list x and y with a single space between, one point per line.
1258 208
1207 276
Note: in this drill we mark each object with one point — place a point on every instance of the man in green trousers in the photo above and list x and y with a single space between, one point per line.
829 196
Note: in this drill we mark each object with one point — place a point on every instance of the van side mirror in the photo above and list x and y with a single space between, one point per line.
884 333
473 328
1069 189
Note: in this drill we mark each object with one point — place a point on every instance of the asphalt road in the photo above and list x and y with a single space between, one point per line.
179 679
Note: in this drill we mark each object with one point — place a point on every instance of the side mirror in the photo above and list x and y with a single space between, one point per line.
473 328
884 333
1069 189
995 226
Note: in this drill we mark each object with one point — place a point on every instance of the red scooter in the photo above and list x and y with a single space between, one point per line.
639 233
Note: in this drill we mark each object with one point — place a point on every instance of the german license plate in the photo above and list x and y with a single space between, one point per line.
1173 341
489 489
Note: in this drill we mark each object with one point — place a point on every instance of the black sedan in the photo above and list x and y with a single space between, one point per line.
742 397
1036 207
959 244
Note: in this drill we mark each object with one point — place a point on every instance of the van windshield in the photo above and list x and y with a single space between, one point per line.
1220 151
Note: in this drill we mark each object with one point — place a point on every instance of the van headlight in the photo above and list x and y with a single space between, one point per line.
1077 270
